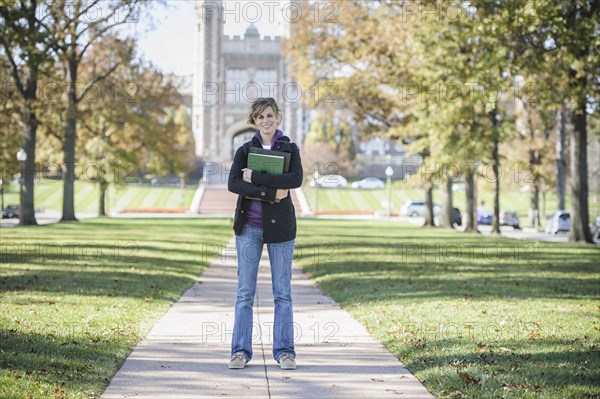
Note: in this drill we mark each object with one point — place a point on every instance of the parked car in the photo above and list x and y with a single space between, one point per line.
330 181
417 208
157 181
559 221
509 218
10 212
369 183
596 229
456 217
484 216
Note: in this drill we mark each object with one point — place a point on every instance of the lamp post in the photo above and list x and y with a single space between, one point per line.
21 157
389 172
316 177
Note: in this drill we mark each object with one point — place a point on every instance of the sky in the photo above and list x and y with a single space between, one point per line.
166 33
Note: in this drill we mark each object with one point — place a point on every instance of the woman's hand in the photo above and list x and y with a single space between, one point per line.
281 193
247 175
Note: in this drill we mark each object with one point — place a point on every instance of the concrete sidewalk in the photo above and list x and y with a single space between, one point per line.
187 351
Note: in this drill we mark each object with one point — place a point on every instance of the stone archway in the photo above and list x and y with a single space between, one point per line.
240 138
236 135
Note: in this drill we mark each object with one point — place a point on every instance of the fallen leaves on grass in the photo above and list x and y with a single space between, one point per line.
484 348
504 350
507 386
459 363
59 393
418 343
468 378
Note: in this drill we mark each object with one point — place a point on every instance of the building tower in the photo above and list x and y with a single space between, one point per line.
229 73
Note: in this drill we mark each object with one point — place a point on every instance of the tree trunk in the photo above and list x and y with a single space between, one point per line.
26 198
471 222
561 157
26 26
580 227
429 206
102 206
446 215
534 205
534 193
69 147
543 207
496 171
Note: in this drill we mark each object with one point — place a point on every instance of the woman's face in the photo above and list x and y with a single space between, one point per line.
266 122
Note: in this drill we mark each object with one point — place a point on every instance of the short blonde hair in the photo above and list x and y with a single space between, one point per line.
259 105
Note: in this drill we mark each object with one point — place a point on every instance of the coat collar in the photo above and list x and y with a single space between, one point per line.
279 137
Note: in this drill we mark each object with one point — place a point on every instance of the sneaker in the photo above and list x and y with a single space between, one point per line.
287 362
238 361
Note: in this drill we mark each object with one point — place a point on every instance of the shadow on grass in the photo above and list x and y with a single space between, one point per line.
79 268
382 271
84 363
572 364
77 258
141 283
423 267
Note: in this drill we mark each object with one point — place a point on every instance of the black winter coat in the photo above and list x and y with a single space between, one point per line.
279 218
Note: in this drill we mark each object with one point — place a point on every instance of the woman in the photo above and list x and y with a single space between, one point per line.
271 221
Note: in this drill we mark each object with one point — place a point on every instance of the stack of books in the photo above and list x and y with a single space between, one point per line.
269 161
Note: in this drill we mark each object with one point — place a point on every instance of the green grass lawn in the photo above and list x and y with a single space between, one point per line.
471 316
48 196
75 298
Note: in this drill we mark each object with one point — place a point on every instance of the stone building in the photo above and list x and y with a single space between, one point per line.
229 73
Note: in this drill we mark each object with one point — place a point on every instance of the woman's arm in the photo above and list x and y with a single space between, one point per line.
291 179
236 183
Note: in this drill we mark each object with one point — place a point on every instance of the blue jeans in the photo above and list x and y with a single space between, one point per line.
249 247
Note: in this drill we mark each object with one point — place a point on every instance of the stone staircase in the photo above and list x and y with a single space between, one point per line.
218 201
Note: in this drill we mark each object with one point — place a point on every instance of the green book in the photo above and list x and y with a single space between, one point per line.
273 164
286 156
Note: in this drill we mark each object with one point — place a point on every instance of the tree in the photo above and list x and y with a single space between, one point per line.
73 28
358 62
561 157
160 121
463 74
26 51
353 62
139 123
10 131
533 153
561 39
329 145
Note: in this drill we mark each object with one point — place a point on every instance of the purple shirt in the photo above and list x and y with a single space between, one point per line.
255 208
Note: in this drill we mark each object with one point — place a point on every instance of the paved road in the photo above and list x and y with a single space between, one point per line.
526 234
